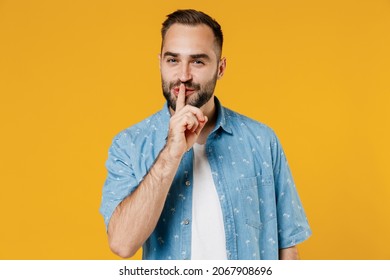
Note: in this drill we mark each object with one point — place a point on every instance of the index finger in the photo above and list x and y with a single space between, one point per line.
181 98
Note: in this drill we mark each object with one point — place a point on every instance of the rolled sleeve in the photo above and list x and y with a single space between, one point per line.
121 180
293 227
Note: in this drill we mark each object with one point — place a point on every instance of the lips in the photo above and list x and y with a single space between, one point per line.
189 91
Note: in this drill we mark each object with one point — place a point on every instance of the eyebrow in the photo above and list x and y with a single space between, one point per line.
193 56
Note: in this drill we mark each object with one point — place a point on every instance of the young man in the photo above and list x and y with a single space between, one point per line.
197 180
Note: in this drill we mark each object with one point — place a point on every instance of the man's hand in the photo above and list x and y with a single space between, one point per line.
185 126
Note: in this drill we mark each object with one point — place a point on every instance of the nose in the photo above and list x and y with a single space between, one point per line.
185 74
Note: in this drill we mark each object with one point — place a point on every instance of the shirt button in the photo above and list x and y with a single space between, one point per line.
188 183
186 221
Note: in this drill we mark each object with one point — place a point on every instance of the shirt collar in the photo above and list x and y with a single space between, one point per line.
222 118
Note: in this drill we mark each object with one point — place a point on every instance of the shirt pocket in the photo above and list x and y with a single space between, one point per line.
256 200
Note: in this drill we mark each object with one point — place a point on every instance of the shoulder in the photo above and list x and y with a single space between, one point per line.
249 126
143 129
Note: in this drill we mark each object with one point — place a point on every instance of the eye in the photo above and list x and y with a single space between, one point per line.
198 62
172 60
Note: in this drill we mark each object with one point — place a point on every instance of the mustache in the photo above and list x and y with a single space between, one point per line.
189 84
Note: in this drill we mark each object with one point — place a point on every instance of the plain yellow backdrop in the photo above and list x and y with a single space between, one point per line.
75 73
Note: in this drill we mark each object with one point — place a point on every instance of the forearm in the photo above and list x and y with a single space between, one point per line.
136 216
290 253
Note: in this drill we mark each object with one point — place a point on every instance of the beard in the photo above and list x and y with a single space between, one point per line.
201 96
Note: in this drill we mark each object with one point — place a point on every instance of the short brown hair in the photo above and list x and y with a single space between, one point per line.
192 18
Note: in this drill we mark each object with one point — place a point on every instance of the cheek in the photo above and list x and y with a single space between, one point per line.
205 77
166 73
200 76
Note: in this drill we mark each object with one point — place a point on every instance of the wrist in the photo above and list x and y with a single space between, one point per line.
171 155
174 149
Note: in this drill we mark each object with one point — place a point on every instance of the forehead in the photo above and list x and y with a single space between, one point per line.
184 39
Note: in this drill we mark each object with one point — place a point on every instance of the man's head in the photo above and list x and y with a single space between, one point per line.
191 55
194 18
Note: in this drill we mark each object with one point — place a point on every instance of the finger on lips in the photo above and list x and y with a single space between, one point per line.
181 98
195 119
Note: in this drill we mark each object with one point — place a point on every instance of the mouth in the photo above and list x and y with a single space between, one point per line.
188 91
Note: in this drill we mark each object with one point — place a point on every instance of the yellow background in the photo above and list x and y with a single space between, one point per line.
75 73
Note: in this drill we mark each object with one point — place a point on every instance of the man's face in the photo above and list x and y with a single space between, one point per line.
189 56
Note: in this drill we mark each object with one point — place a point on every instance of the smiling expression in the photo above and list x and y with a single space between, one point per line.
190 56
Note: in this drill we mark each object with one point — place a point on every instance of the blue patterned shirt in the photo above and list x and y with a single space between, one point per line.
261 210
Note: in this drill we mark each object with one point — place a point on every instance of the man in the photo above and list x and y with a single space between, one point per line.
197 180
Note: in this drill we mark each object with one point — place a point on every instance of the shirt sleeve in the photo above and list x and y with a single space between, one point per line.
121 180
293 227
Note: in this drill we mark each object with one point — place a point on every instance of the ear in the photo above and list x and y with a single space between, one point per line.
159 60
221 67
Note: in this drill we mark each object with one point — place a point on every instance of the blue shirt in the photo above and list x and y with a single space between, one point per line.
261 210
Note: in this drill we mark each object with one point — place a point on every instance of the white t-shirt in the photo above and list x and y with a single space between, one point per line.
208 233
